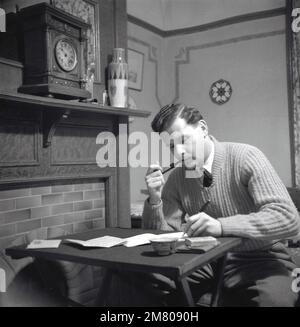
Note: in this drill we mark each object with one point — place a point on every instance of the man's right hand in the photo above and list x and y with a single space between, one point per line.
154 180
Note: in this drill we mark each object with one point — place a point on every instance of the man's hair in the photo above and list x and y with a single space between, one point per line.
167 114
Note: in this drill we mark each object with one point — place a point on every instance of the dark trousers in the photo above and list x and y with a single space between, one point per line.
258 278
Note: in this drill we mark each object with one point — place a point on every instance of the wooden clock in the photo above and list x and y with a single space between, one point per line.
54 52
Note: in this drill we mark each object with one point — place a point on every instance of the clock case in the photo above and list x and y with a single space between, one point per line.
42 27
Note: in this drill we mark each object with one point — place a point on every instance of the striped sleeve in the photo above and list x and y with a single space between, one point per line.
276 216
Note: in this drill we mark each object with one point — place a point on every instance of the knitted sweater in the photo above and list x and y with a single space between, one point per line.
246 196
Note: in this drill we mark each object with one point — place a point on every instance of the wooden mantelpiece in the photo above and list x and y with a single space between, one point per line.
43 103
55 111
45 140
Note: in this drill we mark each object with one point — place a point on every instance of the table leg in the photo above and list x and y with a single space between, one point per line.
183 286
219 282
104 288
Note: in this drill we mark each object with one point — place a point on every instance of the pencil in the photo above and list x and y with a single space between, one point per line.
201 210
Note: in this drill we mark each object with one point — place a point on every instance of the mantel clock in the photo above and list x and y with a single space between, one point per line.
54 52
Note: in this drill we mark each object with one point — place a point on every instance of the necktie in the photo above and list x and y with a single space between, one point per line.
207 178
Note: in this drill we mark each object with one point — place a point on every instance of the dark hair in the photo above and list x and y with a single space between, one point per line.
167 114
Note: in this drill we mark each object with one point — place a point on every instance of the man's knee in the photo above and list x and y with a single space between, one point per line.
276 292
289 300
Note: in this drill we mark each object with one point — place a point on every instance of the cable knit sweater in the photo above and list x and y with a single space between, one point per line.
246 196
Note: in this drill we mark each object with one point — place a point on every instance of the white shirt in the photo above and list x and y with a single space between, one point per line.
208 163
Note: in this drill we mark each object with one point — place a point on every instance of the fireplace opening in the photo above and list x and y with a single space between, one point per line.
44 208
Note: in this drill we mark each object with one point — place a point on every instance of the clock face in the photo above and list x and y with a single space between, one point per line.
66 55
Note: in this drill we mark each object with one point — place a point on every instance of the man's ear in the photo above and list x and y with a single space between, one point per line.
204 127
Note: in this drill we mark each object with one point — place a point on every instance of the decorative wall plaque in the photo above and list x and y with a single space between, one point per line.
220 91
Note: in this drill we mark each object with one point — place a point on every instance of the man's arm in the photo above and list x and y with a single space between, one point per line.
167 213
276 215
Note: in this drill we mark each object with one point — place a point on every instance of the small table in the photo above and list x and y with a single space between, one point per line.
141 258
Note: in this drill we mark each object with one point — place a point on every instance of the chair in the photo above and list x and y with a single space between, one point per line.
294 193
35 282
294 244
21 285
76 284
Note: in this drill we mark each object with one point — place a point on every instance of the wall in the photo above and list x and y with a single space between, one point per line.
207 11
251 55
151 11
151 97
175 14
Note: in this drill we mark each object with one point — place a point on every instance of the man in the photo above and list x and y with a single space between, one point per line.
245 198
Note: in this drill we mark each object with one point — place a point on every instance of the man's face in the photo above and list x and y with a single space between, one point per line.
187 142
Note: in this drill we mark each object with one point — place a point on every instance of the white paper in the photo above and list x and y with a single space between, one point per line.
138 240
42 244
177 235
110 241
201 240
101 242
145 238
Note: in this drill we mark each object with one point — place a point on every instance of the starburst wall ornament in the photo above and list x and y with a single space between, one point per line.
220 91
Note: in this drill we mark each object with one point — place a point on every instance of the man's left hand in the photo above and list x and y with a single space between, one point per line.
202 224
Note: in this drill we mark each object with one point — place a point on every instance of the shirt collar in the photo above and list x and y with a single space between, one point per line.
208 163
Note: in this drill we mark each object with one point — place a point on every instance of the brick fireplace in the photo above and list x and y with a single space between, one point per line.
49 178
73 206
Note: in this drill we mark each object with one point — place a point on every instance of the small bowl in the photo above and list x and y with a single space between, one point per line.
164 245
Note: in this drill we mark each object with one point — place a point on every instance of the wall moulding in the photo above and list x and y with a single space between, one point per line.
183 55
152 57
209 26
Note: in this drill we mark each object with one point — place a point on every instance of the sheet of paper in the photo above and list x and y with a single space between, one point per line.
101 242
177 235
145 238
109 241
138 240
42 244
201 241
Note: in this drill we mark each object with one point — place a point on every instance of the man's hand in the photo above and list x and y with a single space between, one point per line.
202 224
154 181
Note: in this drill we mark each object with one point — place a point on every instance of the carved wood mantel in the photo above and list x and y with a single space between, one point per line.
43 139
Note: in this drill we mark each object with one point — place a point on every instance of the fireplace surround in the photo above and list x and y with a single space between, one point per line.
48 172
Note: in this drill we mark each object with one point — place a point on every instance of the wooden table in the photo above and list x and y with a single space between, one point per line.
141 258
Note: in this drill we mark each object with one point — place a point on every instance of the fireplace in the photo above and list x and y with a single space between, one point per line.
49 178
71 205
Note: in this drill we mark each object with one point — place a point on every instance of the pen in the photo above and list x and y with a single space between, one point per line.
201 210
